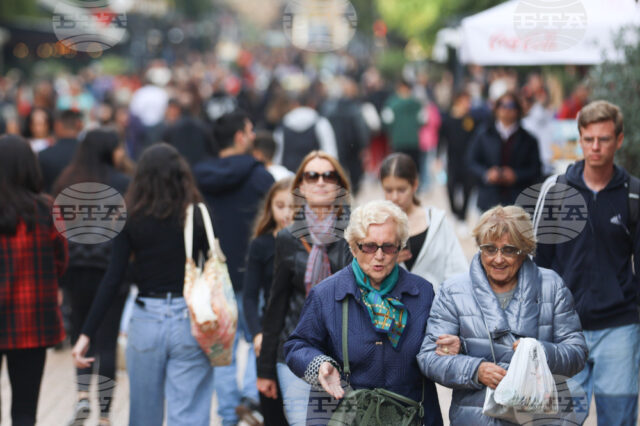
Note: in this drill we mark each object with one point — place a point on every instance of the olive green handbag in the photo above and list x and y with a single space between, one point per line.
371 407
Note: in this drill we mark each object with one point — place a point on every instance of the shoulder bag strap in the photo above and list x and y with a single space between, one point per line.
188 232
208 226
345 345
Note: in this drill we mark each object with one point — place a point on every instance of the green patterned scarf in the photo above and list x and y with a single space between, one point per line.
387 314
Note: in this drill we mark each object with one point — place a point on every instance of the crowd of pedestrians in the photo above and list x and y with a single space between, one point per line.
379 295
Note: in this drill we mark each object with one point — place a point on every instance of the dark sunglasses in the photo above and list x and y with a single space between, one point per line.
327 177
508 105
387 248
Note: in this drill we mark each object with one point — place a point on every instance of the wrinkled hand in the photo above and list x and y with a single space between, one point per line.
257 344
404 255
329 378
79 350
490 374
448 344
267 387
515 344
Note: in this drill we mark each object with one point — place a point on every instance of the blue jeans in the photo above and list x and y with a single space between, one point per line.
165 363
295 395
226 380
611 373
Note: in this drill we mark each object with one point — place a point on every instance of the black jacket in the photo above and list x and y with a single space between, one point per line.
596 264
288 294
54 159
486 151
233 187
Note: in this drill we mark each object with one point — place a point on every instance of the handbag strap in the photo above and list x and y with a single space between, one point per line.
345 332
347 369
188 229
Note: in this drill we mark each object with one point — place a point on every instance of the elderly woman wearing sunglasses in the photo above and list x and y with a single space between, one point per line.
387 312
307 251
504 297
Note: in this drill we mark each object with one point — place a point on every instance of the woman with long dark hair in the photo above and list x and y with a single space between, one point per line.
307 251
164 361
33 256
93 165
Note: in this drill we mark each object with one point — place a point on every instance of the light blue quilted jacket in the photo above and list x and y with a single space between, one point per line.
542 308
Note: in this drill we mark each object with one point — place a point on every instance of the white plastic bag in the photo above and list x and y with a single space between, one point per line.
529 385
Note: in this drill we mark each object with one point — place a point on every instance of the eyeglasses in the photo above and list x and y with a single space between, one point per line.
371 248
490 250
327 177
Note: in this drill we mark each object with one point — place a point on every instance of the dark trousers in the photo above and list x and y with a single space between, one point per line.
25 374
459 180
273 409
83 285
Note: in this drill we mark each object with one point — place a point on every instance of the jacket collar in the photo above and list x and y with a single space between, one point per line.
521 316
347 285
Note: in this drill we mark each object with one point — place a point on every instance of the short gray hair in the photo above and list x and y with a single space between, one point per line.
511 220
376 213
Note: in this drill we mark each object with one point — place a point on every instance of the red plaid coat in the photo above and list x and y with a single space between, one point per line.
30 264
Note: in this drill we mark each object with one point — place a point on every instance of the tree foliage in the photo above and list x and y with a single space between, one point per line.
423 19
619 83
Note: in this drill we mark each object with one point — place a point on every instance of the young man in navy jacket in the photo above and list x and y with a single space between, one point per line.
597 267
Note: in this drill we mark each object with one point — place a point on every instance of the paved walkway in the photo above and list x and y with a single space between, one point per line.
57 395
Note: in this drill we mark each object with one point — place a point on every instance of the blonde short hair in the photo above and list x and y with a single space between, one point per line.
376 213
511 220
600 111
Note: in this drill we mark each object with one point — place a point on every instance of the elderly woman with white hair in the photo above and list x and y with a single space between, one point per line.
386 310
503 298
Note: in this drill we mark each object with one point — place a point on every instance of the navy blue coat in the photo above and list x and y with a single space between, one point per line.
485 151
373 360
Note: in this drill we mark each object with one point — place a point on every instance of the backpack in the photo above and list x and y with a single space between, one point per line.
296 145
633 187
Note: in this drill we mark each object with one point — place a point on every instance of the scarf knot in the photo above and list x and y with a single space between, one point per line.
388 315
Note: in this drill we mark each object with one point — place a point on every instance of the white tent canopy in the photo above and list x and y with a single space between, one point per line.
539 32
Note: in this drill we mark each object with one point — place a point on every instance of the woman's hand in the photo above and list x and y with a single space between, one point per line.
490 374
515 345
79 350
267 387
404 255
448 344
257 344
329 378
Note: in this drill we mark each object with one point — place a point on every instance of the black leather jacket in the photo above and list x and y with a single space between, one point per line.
288 293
